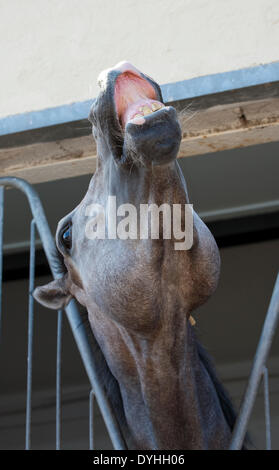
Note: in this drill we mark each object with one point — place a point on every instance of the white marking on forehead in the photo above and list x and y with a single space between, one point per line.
122 66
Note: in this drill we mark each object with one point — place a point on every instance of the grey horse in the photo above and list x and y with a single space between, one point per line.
139 292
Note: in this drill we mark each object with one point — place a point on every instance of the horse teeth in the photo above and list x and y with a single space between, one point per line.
146 110
156 106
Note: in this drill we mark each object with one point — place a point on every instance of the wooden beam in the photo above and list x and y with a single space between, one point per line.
230 126
48 161
206 129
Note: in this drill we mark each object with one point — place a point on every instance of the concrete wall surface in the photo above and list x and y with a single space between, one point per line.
52 52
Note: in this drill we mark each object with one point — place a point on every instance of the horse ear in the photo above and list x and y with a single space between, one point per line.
53 295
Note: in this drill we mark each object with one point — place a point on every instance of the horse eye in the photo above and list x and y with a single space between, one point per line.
66 237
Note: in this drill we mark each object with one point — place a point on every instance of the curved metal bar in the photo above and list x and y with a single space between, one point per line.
30 338
91 420
268 331
267 409
84 338
58 378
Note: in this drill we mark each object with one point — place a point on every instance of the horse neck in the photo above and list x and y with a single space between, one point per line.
168 397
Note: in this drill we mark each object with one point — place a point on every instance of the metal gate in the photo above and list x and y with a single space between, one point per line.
85 339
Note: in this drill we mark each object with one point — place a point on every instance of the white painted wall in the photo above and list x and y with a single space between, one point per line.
52 51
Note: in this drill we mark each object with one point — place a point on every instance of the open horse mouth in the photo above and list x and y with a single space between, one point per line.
134 98
132 103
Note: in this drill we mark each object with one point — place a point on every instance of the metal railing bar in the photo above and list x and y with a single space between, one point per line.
268 331
267 409
84 338
1 251
91 420
58 378
87 343
30 338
